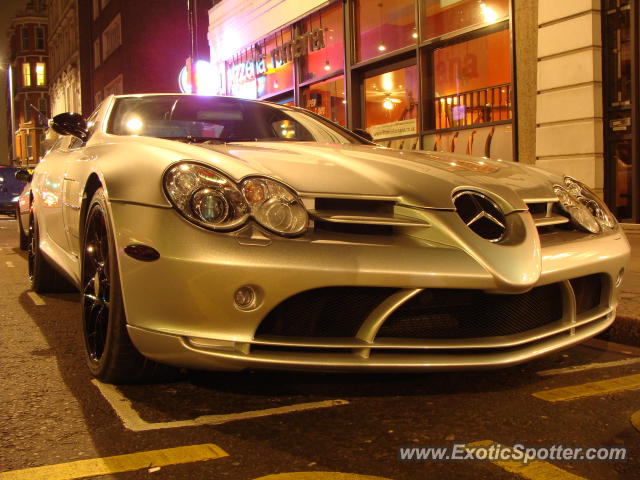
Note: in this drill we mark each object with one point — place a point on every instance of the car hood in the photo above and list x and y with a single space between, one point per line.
418 178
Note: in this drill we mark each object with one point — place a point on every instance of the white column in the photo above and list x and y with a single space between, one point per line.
569 133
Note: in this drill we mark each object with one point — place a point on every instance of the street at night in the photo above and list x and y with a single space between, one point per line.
276 425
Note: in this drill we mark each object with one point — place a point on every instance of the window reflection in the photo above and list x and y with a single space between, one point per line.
279 74
391 103
327 99
473 82
330 58
384 26
445 16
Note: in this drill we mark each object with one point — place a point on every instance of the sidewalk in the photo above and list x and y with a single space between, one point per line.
626 329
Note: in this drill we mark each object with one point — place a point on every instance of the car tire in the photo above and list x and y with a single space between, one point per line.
43 276
109 352
24 239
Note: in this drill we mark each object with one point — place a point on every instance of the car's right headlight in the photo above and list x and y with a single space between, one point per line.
208 198
583 205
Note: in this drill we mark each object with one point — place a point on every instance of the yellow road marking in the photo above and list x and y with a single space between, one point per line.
132 420
118 463
589 366
37 299
635 420
535 470
602 387
319 476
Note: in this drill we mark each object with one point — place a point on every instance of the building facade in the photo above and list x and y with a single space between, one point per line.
137 46
538 81
64 57
29 83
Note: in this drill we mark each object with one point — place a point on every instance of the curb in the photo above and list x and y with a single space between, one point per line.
625 330
631 227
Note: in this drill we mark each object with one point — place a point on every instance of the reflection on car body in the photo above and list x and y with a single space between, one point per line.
219 233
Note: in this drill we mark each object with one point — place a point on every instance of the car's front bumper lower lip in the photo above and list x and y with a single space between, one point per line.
186 352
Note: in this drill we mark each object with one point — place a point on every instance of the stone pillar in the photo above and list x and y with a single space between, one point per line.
569 133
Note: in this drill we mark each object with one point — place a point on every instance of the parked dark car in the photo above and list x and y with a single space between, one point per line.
10 190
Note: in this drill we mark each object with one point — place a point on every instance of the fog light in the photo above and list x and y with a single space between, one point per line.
245 297
620 276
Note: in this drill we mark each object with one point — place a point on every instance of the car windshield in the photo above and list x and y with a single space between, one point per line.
221 119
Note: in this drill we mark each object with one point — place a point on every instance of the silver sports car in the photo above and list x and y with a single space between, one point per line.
220 233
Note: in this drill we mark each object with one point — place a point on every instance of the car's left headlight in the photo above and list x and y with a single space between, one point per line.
16 198
210 199
584 206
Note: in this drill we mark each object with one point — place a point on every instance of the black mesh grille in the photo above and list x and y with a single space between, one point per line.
323 312
588 291
448 313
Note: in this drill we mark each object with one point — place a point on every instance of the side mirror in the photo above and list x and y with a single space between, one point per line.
363 133
70 124
23 175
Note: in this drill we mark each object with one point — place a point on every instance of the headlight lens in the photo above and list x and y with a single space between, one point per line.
210 199
16 198
584 206
274 206
205 196
588 198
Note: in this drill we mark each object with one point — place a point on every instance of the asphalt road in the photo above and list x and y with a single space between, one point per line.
265 424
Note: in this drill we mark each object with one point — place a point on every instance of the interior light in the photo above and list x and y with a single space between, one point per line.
134 124
388 104
381 47
327 66
414 34
490 16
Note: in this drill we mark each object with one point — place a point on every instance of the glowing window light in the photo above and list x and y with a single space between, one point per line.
490 16
388 104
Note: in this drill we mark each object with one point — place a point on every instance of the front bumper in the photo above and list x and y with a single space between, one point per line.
181 310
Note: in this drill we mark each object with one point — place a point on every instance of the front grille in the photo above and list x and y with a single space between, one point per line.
366 209
451 314
588 292
323 312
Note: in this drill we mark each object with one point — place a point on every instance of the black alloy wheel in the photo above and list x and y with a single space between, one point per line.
109 352
96 285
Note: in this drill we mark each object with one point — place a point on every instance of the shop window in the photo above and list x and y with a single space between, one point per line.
26 74
391 103
326 54
472 82
40 38
27 111
440 17
264 69
41 74
326 98
384 26
279 51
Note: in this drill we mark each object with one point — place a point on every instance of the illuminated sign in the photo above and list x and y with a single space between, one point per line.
248 66
205 79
